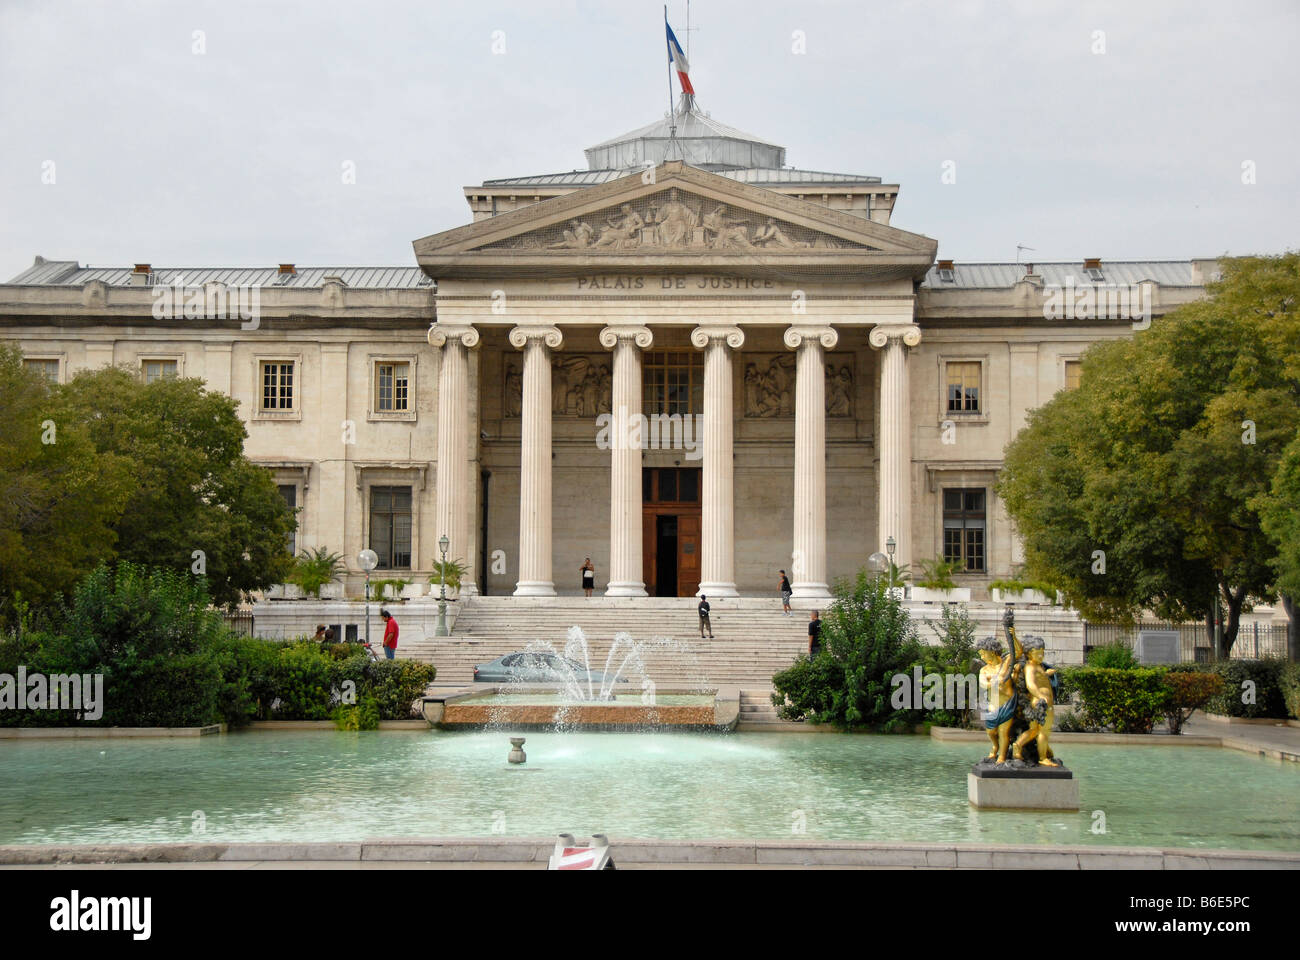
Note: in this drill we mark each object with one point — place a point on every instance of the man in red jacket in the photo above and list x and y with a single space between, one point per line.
390 634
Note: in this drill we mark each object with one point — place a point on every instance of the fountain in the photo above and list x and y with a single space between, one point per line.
576 699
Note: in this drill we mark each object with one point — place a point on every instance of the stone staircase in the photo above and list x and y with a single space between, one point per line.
756 709
752 638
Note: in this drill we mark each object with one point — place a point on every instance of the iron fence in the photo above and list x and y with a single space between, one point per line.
1255 641
241 623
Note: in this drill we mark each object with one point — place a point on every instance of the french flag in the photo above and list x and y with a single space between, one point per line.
676 56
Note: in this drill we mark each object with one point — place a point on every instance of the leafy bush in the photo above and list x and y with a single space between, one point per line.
360 716
953 654
1020 586
867 638
1188 690
453 570
395 684
1268 698
1113 656
1291 688
1126 701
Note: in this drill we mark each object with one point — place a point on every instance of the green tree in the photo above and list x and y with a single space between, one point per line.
192 488
1142 488
59 499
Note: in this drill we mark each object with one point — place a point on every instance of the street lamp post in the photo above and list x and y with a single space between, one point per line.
442 631
890 545
367 560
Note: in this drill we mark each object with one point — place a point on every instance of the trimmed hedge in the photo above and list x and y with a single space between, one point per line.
1127 701
1266 699
1291 688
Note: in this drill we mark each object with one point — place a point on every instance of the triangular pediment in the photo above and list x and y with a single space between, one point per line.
671 217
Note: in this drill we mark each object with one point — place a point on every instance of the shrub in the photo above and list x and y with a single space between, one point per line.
395 684
315 568
1127 701
361 716
953 654
1188 690
1113 656
1266 696
1291 688
936 575
867 638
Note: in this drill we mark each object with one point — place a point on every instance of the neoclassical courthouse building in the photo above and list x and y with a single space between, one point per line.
691 362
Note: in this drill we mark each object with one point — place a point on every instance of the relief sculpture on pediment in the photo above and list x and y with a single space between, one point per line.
671 221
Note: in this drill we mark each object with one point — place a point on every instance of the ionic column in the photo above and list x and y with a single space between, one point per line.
808 563
895 438
718 546
626 578
537 342
453 514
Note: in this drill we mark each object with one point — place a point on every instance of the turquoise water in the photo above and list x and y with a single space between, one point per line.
347 786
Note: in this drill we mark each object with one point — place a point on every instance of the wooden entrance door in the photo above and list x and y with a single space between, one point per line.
670 521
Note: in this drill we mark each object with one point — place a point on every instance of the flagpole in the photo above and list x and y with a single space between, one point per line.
671 114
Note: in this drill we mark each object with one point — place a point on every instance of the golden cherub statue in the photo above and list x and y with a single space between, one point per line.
1039 711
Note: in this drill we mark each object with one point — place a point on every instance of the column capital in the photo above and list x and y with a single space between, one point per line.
641 336
704 334
440 333
908 333
549 335
796 335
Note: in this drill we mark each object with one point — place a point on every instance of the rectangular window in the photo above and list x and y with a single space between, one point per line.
964 387
290 493
277 385
1073 372
159 370
390 526
963 529
49 369
673 383
670 485
391 387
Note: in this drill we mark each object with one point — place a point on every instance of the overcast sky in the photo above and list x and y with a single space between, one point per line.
235 155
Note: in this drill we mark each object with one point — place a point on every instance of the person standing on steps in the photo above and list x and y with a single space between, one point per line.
390 634
785 594
704 617
814 634
588 577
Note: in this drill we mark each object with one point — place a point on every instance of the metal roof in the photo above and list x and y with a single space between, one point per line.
71 273
687 134
754 175
1167 273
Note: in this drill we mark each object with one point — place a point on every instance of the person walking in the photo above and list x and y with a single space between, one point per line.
390 634
588 577
785 594
704 617
320 633
814 634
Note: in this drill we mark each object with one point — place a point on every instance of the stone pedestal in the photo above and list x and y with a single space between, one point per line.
1009 787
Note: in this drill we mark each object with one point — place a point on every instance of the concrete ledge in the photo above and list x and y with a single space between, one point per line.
263 726
1260 721
726 853
97 733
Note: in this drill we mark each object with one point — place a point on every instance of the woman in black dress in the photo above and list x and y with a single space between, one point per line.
588 577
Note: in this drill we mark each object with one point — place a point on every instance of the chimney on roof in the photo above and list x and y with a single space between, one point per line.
141 275
287 268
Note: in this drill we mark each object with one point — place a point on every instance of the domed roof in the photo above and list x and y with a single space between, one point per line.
697 139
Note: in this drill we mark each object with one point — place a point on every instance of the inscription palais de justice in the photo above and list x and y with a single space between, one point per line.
673 283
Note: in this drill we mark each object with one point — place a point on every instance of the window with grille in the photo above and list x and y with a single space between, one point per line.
49 369
964 527
390 526
673 383
964 387
1073 374
159 370
277 385
392 384
290 493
